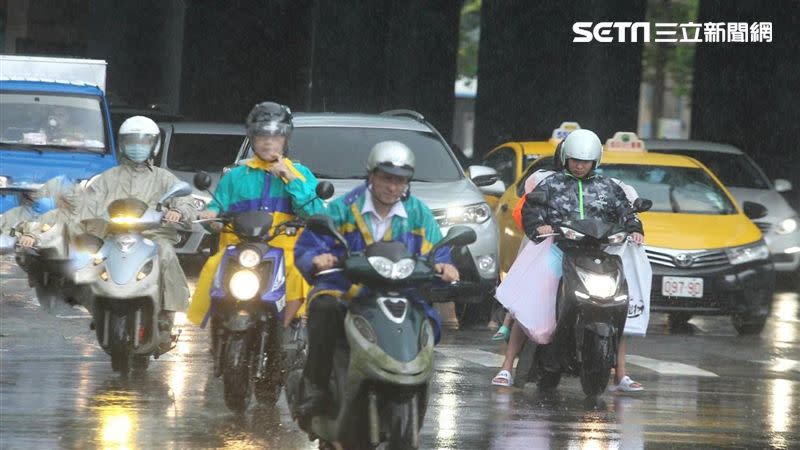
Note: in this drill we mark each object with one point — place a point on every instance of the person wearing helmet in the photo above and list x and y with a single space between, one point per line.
270 182
139 140
578 192
34 204
380 209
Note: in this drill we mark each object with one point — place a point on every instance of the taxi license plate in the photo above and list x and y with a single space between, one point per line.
682 287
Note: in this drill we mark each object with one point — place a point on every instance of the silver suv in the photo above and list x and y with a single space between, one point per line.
191 146
335 148
747 182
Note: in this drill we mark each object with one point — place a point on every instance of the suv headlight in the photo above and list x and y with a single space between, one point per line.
748 253
456 215
392 270
786 226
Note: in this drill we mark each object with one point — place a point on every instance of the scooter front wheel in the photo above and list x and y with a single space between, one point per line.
598 356
121 354
236 374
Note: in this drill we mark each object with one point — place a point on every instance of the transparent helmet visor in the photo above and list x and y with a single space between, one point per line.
270 129
138 138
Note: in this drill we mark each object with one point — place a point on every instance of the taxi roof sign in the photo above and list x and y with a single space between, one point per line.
625 141
563 130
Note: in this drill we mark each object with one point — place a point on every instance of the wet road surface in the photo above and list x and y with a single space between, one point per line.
705 387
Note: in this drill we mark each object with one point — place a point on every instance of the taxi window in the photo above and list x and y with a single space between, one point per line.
733 170
504 161
673 189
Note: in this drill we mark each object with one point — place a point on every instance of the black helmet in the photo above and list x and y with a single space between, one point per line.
269 119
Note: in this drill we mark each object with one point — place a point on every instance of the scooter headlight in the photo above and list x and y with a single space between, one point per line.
571 234
600 286
244 285
249 257
392 270
617 238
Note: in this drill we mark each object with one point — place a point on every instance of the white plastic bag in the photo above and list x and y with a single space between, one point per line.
639 276
529 290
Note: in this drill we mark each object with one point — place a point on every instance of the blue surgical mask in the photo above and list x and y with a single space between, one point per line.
43 205
137 152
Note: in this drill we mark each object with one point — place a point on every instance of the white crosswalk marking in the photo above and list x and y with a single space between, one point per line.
489 359
781 365
668 367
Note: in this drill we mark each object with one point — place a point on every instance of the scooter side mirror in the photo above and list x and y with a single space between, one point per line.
180 189
325 190
323 224
202 180
459 235
642 204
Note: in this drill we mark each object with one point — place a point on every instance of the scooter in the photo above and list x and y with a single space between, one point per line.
382 367
248 296
592 303
127 297
60 267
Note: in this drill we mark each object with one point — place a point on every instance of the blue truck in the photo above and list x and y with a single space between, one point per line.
55 121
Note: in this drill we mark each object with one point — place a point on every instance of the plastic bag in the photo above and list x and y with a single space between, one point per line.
529 290
639 276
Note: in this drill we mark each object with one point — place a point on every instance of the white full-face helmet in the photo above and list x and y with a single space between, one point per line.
391 157
139 139
582 144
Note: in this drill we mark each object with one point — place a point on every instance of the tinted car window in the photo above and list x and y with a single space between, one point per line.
673 189
209 152
341 152
733 170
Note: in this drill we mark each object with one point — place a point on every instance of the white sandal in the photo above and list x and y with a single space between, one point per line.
626 385
503 378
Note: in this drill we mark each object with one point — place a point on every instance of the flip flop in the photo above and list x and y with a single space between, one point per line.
503 378
503 333
626 385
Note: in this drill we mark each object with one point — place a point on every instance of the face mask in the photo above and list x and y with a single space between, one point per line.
137 152
43 205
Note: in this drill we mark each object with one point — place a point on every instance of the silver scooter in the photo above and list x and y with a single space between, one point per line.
128 295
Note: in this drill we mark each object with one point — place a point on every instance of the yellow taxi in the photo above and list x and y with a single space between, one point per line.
706 254
512 158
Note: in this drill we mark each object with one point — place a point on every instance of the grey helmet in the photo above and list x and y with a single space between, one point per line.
391 157
269 119
584 145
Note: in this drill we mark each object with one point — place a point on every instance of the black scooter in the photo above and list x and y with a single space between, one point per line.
591 307
383 366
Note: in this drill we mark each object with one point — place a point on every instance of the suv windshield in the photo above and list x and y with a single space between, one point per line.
209 152
32 120
733 170
673 189
341 152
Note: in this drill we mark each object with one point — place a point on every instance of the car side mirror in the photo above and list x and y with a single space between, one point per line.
483 176
754 210
642 204
782 185
202 180
325 190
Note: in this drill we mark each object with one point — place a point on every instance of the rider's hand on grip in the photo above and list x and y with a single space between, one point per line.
324 261
448 272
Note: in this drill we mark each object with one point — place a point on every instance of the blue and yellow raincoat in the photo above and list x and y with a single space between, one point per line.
418 231
251 187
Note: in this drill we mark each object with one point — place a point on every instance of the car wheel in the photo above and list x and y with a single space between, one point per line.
748 325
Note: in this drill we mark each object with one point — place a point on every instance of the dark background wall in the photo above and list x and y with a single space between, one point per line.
748 95
533 77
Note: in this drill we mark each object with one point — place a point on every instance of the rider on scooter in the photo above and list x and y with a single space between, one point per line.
269 182
382 208
139 141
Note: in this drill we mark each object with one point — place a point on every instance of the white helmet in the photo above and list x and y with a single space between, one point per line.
139 139
391 157
582 144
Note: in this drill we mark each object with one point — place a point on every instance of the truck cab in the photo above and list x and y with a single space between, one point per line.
55 122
